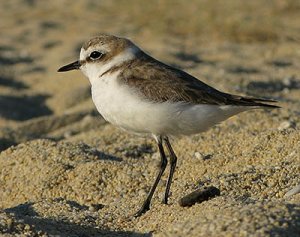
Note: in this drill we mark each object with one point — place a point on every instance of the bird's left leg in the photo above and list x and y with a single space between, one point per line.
173 162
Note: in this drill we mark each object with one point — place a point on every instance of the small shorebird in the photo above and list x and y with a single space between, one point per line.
141 94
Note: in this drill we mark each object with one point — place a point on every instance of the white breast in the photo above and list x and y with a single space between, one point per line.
123 107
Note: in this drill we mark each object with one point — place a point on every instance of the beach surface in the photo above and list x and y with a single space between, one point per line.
64 171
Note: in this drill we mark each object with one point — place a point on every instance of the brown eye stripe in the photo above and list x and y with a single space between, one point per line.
82 62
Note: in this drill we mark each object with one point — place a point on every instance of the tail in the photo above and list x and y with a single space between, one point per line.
249 101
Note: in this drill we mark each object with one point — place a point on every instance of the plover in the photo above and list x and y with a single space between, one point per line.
136 92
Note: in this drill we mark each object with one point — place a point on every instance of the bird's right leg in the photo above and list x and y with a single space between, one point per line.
146 205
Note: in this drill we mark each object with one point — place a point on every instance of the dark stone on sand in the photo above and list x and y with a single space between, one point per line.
199 195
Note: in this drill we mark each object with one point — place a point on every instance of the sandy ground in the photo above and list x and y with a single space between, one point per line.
65 172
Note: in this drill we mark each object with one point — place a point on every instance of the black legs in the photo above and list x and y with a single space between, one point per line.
163 164
173 159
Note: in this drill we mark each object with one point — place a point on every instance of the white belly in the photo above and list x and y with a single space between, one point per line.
121 106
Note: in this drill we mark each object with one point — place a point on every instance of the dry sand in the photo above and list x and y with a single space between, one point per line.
65 172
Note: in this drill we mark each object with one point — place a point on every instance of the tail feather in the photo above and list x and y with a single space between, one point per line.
249 101
263 100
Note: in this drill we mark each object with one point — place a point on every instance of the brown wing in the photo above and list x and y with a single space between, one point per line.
159 82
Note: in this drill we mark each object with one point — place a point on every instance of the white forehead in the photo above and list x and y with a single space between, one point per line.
84 53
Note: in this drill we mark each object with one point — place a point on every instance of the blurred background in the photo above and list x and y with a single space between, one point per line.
100 173
246 47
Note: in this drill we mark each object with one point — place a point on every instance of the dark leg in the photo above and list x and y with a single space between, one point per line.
146 205
173 161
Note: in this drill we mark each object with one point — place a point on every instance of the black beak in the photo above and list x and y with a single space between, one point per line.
72 66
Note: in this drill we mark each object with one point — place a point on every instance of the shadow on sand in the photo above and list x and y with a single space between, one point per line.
61 226
293 223
23 107
8 81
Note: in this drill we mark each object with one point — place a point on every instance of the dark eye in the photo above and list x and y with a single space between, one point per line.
95 55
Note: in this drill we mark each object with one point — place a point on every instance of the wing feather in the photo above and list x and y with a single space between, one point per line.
159 82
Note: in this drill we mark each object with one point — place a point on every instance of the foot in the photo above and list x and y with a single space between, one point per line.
165 200
144 209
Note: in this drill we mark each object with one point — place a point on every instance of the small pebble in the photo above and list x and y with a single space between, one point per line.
293 191
201 156
198 155
95 207
285 125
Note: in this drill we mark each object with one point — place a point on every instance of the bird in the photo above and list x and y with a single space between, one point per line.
136 92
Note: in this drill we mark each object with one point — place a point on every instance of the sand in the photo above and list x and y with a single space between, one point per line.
64 171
